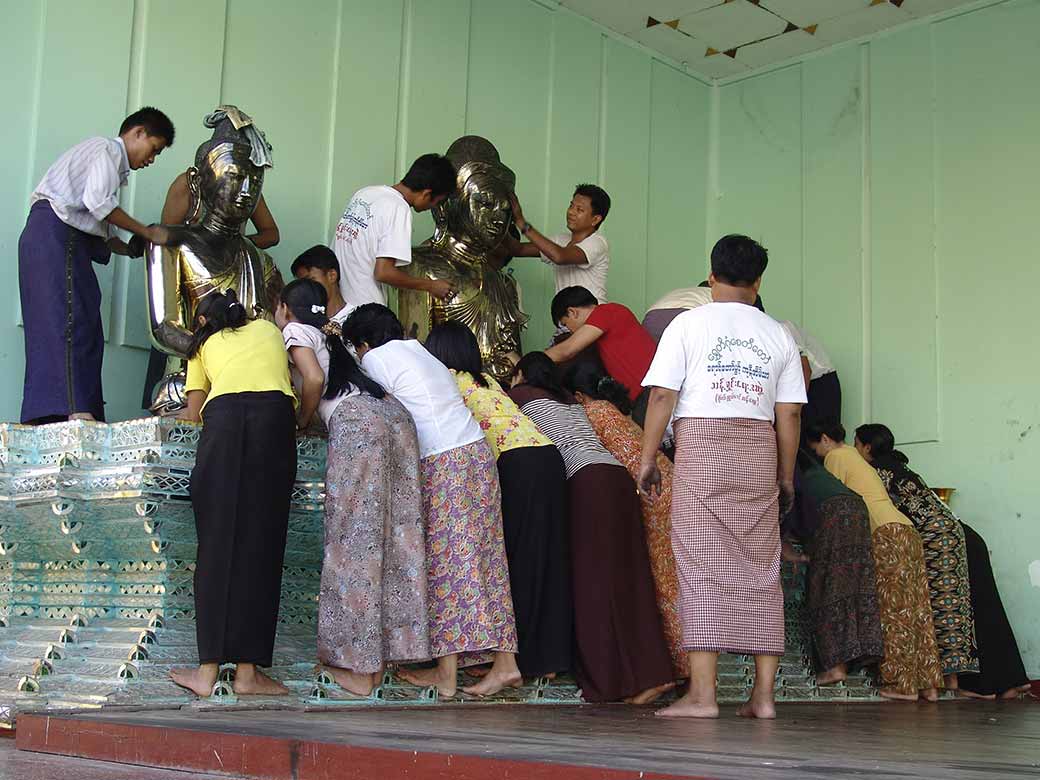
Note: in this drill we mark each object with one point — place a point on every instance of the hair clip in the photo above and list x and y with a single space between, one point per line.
235 303
316 309
332 328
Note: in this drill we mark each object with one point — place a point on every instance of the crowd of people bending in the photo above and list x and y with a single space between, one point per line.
617 508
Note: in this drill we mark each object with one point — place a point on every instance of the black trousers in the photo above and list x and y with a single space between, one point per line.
241 488
536 524
824 398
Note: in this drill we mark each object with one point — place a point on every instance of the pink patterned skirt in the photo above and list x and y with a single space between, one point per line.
726 536
470 605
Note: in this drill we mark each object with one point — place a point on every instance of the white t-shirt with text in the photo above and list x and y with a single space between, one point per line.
428 391
376 223
591 275
728 360
820 363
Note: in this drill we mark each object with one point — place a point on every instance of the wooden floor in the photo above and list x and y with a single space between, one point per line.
952 740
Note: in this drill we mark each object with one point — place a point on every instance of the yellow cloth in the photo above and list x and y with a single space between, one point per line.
504 426
250 359
848 465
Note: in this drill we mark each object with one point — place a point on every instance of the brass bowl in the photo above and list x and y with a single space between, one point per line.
944 494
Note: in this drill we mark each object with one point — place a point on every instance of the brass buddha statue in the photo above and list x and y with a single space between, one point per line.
469 249
211 253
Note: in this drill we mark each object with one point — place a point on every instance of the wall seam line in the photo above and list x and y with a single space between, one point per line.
866 242
333 121
403 84
935 234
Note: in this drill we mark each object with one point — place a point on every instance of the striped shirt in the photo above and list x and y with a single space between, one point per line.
83 185
566 426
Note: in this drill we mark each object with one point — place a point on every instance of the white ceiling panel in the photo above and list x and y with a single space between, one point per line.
762 32
732 24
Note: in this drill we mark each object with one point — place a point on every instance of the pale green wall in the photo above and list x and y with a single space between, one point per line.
349 92
895 185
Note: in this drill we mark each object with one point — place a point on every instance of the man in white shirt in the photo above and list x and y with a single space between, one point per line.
374 236
320 264
821 378
581 256
73 215
729 373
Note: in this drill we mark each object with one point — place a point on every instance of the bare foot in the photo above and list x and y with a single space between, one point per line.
477 671
257 684
950 682
354 682
650 694
1014 693
199 680
426 678
833 675
82 416
930 694
891 693
688 707
494 681
762 709
966 694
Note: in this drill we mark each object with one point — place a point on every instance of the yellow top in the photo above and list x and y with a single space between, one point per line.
504 426
250 359
848 465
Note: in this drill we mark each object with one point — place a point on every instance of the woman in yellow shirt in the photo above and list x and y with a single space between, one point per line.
534 506
911 666
238 384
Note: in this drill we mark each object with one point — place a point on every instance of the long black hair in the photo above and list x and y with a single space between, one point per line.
221 310
455 346
307 299
586 378
881 440
539 371
373 325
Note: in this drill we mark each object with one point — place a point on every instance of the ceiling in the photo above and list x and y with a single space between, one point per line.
723 38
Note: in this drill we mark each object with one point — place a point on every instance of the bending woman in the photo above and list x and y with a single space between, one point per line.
534 506
911 665
965 600
607 404
241 487
620 646
470 605
372 607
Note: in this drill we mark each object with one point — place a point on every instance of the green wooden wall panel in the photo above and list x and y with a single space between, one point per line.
832 96
95 97
760 160
678 170
186 89
626 161
508 102
286 88
904 381
573 156
434 85
20 37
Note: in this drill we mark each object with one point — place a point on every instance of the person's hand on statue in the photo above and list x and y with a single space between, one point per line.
518 213
441 290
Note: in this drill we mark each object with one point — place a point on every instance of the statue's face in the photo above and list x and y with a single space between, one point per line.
480 212
230 183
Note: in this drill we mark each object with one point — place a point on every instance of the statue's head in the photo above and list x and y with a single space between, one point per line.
230 165
478 213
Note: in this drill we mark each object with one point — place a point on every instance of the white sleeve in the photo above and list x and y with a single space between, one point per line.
595 249
396 238
794 333
101 187
790 383
668 368
296 335
377 370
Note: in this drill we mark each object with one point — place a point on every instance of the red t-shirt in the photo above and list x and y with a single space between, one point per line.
625 347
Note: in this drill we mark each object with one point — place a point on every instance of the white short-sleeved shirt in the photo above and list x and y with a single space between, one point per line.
376 223
428 391
83 184
683 298
820 363
592 275
296 334
728 360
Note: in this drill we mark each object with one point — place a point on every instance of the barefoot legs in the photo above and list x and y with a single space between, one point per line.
699 700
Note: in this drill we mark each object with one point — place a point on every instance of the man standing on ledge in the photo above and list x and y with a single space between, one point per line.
73 217
728 371
582 256
374 236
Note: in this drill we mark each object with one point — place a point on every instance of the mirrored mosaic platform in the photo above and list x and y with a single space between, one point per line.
97 554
